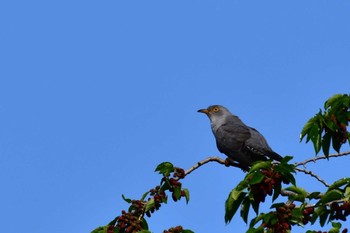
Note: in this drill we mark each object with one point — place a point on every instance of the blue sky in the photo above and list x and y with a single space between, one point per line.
95 94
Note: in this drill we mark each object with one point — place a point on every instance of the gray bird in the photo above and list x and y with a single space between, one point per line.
238 141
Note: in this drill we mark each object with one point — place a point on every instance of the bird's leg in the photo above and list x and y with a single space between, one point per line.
231 162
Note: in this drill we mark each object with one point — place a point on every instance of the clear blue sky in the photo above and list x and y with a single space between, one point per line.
94 94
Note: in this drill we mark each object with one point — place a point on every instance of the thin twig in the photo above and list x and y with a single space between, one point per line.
321 157
313 175
204 161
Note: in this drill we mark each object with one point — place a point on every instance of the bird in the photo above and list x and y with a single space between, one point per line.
243 145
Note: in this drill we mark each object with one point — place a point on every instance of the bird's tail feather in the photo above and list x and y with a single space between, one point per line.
275 156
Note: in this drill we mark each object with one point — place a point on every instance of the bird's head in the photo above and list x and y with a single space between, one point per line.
215 112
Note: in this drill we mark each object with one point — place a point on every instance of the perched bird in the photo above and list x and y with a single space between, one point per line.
238 141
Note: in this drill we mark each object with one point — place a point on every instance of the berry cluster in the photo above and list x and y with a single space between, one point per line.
272 180
132 221
172 184
307 213
175 187
177 229
179 173
284 214
339 212
341 134
129 222
159 196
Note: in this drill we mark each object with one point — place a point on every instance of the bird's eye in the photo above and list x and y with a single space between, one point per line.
216 109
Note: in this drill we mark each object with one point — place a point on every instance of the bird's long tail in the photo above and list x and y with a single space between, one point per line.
275 156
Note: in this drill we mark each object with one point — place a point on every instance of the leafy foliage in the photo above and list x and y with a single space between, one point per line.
264 178
330 125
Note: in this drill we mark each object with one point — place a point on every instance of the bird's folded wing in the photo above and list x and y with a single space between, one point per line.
231 137
258 144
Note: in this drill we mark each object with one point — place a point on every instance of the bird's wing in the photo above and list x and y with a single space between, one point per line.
231 137
258 145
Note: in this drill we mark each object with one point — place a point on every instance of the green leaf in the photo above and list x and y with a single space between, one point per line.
333 230
306 128
297 190
314 195
301 193
323 218
347 192
336 225
256 230
336 143
149 204
257 177
255 206
297 214
245 209
243 184
233 201
144 224
313 130
287 175
257 219
326 143
260 165
100 229
330 196
329 122
177 192
339 183
318 211
165 168
187 195
331 100
285 168
128 200
187 231
276 192
113 222
144 231
144 196
271 218
316 138
286 159
276 205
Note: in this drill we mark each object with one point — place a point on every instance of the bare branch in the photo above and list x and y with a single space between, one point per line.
204 161
322 157
227 162
313 175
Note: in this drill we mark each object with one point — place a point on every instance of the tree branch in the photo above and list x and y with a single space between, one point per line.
228 162
204 161
313 175
322 157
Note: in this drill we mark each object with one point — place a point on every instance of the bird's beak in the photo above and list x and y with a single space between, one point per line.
206 111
